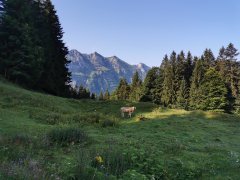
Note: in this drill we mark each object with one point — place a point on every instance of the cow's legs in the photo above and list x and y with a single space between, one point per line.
130 114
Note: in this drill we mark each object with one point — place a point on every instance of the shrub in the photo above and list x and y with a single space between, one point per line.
89 118
174 147
109 123
134 175
20 139
67 136
113 161
46 117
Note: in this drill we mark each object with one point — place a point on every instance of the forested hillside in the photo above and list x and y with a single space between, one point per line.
184 81
33 53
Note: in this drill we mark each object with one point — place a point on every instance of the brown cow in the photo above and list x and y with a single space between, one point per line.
128 110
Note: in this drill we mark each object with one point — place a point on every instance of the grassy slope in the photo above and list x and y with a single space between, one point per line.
169 143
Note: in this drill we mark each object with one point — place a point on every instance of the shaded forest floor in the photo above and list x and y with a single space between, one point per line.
47 137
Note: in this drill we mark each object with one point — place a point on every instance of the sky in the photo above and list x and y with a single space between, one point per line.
145 30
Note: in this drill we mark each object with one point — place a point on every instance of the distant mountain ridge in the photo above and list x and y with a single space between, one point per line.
98 73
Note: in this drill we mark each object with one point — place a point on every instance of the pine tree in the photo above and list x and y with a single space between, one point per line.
149 85
208 59
21 55
212 91
231 54
106 95
188 70
101 97
168 87
229 70
93 96
197 78
183 95
135 92
180 69
123 90
55 78
175 77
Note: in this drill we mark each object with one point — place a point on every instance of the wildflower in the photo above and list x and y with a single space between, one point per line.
99 159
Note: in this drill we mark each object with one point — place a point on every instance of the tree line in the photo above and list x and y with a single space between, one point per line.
184 81
32 52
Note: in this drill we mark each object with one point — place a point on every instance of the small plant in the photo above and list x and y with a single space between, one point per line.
51 118
109 123
142 118
20 139
174 147
88 118
67 136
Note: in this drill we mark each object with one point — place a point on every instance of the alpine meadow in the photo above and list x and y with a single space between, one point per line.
65 114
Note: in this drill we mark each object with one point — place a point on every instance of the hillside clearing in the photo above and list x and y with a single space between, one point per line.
165 144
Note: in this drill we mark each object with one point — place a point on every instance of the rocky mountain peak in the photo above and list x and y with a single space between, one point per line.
99 73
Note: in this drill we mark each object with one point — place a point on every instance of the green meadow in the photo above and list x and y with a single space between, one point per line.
48 137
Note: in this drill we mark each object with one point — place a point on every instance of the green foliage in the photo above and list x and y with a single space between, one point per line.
106 95
101 97
168 144
32 51
21 54
183 95
123 90
136 85
197 78
167 91
67 136
109 123
229 70
149 85
212 91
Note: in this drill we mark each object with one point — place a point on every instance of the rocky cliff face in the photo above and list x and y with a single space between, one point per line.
99 73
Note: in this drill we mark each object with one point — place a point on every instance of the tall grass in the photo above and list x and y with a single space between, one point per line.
67 136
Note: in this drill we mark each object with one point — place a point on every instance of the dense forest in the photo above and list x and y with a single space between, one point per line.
33 55
184 81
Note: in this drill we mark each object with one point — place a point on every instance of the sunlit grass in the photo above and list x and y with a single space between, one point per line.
156 141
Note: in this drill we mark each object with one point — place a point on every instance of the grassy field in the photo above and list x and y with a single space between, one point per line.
47 137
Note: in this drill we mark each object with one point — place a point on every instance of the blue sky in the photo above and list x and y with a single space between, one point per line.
145 30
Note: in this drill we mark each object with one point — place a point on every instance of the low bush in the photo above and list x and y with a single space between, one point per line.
89 118
46 117
67 136
109 123
20 139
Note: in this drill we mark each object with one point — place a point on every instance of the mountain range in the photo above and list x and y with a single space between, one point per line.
99 73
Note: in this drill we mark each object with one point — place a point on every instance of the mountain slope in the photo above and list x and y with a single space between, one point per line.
170 143
99 73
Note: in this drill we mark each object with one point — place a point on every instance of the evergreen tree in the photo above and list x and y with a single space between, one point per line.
197 78
106 95
149 85
21 54
32 51
180 70
55 78
229 70
188 70
231 54
93 96
208 59
135 92
168 87
101 97
123 90
212 91
183 95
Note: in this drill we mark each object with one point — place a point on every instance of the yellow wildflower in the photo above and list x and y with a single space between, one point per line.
99 159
